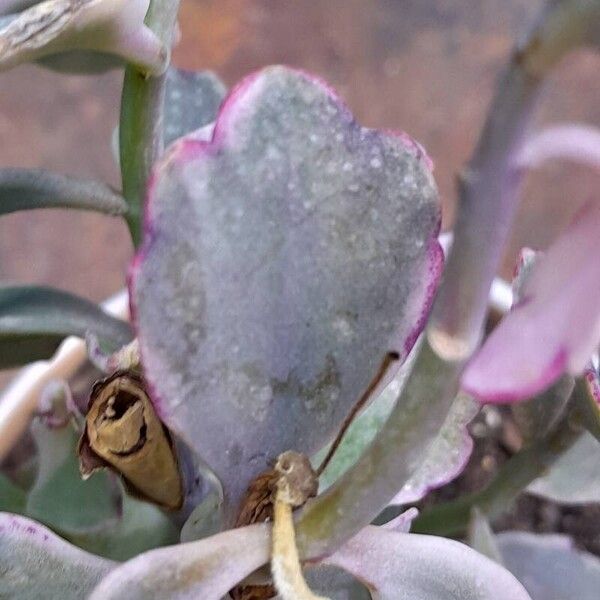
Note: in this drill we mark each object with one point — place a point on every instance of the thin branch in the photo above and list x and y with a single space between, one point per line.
141 124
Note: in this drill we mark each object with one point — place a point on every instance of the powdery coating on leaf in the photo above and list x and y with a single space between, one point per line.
399 566
35 563
282 261
575 477
192 100
556 326
207 569
550 567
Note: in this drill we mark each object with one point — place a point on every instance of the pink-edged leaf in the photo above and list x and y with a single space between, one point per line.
444 460
549 566
447 455
36 563
207 569
400 566
554 328
571 141
283 260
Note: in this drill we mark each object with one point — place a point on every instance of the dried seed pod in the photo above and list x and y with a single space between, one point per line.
123 432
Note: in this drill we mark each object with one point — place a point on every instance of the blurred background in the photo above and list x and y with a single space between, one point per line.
425 66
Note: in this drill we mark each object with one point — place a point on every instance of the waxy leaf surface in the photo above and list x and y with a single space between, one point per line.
36 563
283 260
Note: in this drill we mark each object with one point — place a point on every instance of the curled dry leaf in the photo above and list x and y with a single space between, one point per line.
123 432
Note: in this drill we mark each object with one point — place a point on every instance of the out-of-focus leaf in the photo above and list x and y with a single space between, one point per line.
444 460
482 538
34 320
206 569
35 563
575 477
24 189
140 527
192 99
60 498
335 584
400 566
12 497
284 259
550 567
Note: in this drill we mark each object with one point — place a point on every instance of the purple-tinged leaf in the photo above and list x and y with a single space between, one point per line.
36 563
399 566
207 569
578 143
282 261
554 328
575 477
550 567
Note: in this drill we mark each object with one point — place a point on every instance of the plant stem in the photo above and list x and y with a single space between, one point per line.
488 194
141 123
486 211
512 478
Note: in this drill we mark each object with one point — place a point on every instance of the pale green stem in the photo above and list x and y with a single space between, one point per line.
141 124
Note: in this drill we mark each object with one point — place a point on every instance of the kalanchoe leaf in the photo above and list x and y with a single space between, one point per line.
444 460
550 567
399 566
575 477
25 189
556 325
283 260
205 569
34 320
138 528
52 28
36 563
396 566
192 99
